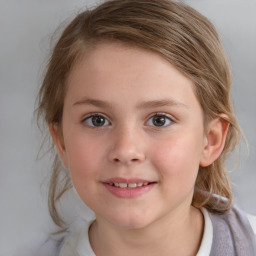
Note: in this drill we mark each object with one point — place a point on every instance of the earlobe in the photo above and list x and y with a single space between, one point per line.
214 140
59 142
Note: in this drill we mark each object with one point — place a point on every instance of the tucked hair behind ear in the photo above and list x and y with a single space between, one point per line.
179 34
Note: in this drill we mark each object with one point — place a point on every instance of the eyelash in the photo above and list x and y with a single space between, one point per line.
92 115
155 115
162 115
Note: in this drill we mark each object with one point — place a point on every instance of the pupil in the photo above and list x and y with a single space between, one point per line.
98 120
159 120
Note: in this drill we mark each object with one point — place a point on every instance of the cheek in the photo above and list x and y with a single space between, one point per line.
83 159
178 156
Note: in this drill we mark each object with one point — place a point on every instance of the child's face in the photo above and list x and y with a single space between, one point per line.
130 117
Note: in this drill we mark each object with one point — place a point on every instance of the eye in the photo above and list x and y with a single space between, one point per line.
96 120
159 120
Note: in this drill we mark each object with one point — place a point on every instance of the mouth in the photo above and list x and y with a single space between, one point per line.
130 185
128 188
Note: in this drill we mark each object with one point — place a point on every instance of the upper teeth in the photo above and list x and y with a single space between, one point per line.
129 185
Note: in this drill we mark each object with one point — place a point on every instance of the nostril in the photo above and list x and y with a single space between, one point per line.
116 160
126 156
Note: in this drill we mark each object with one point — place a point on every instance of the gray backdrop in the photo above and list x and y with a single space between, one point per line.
26 27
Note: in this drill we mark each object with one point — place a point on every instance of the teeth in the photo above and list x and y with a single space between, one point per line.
129 185
123 185
132 185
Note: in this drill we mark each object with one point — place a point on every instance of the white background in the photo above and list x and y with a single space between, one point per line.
26 29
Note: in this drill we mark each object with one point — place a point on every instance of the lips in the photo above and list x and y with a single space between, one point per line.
129 185
128 188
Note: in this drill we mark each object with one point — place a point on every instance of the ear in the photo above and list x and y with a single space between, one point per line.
215 139
59 142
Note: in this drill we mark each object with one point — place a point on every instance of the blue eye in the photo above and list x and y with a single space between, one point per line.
159 120
96 120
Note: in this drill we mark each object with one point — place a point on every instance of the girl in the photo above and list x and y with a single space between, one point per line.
136 98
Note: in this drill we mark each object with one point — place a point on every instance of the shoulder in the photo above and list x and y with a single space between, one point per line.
252 221
236 220
237 217
76 243
234 232
70 243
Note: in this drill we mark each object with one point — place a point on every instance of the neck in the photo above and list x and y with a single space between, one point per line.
178 234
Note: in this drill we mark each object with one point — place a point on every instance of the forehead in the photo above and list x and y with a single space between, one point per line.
114 70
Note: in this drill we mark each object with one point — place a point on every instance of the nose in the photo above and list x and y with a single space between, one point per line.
127 147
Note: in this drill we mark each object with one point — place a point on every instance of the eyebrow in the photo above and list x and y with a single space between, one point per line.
93 102
142 105
161 103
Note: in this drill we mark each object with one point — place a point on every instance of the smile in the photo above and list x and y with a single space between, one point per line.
131 188
129 185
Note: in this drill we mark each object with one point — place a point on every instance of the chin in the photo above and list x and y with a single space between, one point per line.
130 221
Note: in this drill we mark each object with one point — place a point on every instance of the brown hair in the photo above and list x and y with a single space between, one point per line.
179 34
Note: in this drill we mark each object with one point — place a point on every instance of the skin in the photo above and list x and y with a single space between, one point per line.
127 86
